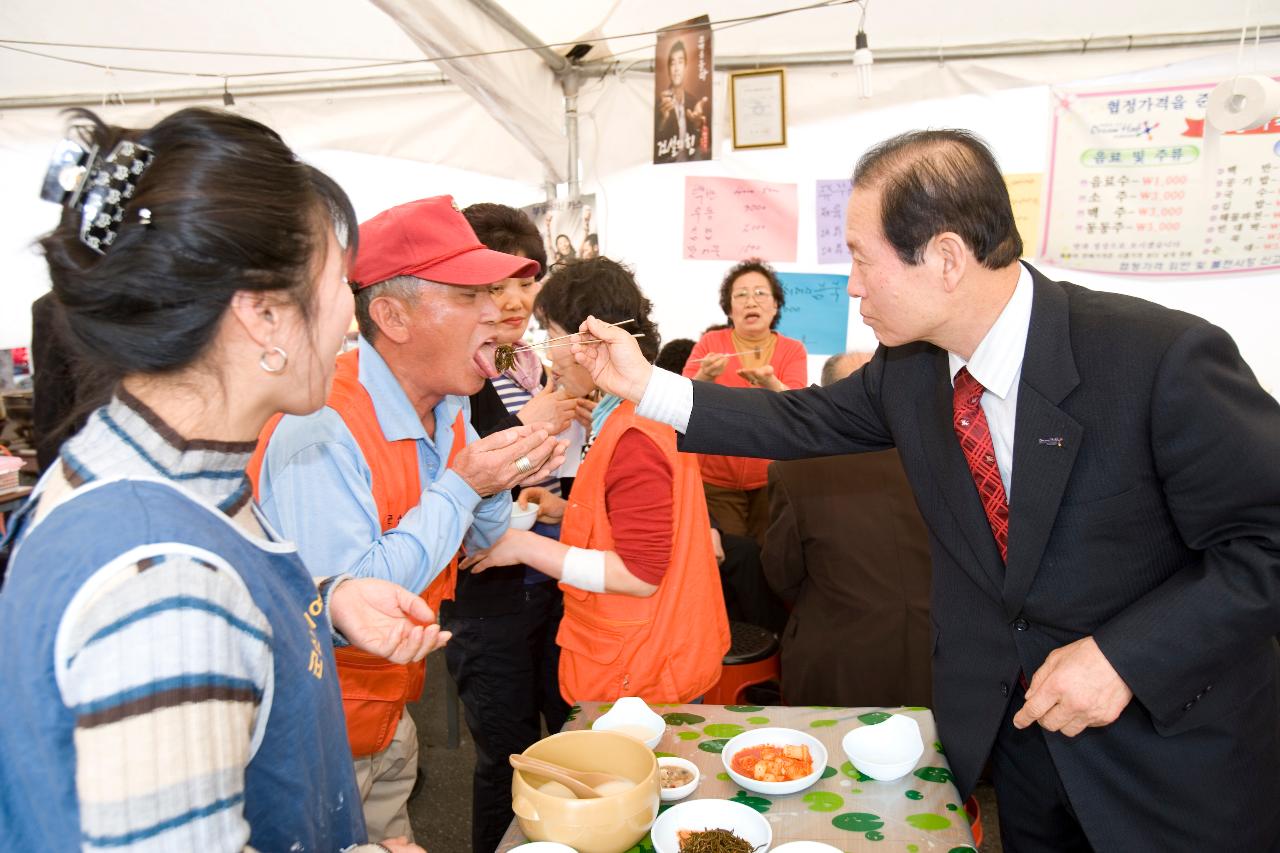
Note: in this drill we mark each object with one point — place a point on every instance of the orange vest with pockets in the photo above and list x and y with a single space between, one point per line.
665 648
374 690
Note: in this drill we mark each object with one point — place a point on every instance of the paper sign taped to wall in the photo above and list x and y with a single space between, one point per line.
832 199
731 219
1024 195
817 311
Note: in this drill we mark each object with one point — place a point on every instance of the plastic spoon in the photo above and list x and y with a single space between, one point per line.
581 782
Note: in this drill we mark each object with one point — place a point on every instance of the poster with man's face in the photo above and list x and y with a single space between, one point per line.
682 93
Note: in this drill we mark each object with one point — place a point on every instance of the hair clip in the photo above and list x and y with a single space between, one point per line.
111 184
144 215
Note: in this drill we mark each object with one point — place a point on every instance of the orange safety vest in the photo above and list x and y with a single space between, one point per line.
375 690
664 648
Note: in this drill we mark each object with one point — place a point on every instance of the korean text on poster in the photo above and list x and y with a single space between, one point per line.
1138 185
817 311
832 201
731 219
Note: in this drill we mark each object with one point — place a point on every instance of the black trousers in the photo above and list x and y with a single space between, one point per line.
747 595
507 671
1035 814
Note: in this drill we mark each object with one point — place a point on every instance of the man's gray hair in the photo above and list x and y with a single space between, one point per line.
406 288
841 365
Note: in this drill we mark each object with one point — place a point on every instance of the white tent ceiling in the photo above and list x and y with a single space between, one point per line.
81 48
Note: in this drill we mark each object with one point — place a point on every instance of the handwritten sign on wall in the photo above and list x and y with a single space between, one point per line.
1024 195
730 219
817 311
832 202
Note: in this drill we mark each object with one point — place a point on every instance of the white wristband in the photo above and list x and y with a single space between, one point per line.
583 569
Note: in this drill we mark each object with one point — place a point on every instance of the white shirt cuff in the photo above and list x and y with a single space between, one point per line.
667 399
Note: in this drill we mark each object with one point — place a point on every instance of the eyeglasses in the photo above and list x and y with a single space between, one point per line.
761 294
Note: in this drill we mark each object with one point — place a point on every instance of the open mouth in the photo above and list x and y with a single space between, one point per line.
484 360
751 315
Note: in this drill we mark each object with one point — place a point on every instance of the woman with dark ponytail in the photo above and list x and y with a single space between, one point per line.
167 659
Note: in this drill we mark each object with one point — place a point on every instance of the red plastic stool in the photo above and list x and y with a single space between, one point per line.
752 658
975 819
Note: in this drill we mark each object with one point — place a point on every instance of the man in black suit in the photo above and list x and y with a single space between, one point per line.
1100 477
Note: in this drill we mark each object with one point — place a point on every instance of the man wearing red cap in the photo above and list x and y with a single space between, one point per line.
389 479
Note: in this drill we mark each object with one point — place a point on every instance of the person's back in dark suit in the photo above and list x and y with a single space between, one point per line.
846 547
846 544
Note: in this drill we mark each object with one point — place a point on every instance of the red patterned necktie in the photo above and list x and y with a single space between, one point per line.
971 427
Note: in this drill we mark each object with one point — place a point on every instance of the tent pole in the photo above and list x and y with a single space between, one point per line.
569 82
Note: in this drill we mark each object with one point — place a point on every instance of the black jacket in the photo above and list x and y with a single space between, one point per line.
1145 512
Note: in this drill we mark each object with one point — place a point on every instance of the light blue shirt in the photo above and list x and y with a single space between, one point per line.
315 489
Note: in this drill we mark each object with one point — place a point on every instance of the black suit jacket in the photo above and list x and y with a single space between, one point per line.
1144 511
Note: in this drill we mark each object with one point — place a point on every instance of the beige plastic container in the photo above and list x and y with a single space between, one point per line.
603 825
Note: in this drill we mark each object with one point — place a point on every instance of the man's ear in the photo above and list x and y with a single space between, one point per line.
391 316
259 315
953 257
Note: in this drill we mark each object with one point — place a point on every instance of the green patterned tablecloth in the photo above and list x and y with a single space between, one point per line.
919 812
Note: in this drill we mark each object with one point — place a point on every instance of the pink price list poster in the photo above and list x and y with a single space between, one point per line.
730 219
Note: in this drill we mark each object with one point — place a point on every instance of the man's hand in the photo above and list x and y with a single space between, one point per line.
616 366
385 619
549 406
1075 688
712 366
400 844
550 507
717 545
489 465
510 550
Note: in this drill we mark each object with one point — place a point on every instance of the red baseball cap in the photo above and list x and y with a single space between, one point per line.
432 240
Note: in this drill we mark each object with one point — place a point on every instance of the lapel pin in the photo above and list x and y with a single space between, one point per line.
1054 441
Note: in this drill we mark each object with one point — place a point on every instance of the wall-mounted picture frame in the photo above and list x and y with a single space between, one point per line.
758 101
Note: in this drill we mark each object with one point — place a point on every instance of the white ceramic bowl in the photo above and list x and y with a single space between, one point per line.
543 847
885 751
670 795
796 847
698 815
629 715
522 518
776 737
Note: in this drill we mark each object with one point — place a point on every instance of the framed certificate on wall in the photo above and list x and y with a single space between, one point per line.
759 105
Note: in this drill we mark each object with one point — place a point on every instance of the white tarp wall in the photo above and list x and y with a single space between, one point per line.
1005 100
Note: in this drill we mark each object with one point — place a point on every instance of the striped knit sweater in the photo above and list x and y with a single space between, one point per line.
159 764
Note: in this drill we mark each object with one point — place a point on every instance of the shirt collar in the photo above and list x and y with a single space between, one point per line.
997 361
397 417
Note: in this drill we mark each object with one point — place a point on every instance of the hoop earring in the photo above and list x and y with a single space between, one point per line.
265 365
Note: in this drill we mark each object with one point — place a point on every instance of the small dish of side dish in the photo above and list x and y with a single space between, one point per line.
678 777
775 760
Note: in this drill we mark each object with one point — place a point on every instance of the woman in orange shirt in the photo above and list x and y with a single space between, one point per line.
643 611
748 353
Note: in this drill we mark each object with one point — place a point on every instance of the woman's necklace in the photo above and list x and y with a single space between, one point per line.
756 353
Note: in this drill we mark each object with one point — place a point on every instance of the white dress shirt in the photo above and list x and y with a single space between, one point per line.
996 364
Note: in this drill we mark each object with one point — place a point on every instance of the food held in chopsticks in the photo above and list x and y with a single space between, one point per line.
712 841
769 763
504 356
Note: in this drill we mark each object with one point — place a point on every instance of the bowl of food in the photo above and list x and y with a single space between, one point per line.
711 826
678 777
632 717
613 821
523 517
887 750
774 761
